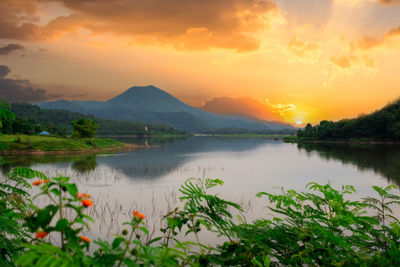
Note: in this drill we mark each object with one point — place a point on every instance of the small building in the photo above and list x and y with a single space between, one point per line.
44 133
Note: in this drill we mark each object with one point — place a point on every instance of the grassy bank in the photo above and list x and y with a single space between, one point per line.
44 143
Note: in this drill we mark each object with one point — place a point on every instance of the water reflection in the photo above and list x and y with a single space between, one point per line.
162 157
147 179
166 156
85 163
382 159
156 162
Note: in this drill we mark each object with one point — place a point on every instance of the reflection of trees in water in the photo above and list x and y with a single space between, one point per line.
81 163
170 155
382 159
85 164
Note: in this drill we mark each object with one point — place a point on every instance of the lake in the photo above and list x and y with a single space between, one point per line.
148 179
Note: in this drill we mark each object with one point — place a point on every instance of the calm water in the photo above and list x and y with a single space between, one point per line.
148 179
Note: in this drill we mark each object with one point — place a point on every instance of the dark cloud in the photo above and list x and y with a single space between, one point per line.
5 50
14 90
17 20
4 71
186 24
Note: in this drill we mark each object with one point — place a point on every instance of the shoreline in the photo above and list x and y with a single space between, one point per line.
366 142
124 147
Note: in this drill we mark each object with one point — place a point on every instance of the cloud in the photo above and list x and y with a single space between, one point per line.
5 50
389 2
355 2
185 24
4 71
341 61
246 106
17 20
304 51
353 61
369 43
15 90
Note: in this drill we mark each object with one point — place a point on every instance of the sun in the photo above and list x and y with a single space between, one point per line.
299 122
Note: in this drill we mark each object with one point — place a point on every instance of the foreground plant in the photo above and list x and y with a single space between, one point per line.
319 227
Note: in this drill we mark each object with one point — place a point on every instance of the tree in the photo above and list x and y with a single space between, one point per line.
84 128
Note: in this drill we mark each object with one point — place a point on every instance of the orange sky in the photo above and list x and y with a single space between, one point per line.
298 61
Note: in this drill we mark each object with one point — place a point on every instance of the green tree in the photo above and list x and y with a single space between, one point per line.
84 128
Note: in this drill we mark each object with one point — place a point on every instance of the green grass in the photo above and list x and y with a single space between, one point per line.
45 143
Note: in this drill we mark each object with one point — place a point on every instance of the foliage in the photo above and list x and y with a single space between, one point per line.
319 227
381 124
58 122
84 128
44 143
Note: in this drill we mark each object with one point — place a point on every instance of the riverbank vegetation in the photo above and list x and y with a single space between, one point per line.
318 227
31 120
381 125
47 143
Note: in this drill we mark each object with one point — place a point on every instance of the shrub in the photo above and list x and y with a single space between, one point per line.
84 128
319 227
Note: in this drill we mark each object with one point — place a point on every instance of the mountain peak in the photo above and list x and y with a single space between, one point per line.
142 90
147 98
146 87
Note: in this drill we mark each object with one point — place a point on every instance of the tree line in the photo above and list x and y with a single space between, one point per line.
31 120
381 124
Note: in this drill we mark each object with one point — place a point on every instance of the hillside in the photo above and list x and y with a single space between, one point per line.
383 124
54 120
153 105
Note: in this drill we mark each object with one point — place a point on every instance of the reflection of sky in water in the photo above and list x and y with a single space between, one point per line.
145 179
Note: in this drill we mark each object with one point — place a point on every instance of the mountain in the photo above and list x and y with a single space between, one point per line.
153 105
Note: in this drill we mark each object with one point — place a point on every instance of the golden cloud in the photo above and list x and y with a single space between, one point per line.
389 2
368 43
352 61
354 2
186 24
304 51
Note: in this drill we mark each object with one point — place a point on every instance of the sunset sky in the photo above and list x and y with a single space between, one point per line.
292 60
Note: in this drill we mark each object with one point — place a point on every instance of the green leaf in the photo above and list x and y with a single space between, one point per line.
117 241
72 189
55 191
62 224
154 240
144 230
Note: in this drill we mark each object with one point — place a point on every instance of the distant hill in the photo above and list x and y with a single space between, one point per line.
381 124
153 105
56 119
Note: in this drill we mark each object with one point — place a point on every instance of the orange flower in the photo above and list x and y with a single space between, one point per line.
86 239
83 195
38 182
47 181
87 203
40 234
138 215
